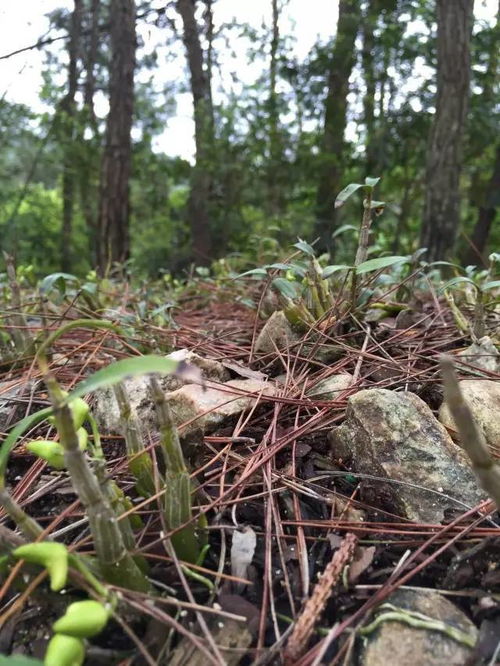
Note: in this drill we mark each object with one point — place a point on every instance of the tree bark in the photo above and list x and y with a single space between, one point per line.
444 154
368 64
201 176
90 62
90 146
68 110
114 204
274 198
486 216
341 65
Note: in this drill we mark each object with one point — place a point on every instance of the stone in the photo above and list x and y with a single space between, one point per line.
331 387
106 409
276 333
482 354
196 407
395 435
396 643
483 398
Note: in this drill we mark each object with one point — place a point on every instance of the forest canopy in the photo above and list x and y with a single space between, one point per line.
404 90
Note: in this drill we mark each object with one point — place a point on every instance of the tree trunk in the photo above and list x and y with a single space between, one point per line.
90 146
90 62
486 216
368 64
114 204
68 110
201 177
489 199
274 203
341 66
444 153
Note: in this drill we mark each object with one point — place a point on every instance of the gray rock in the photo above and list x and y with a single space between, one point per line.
197 407
483 398
276 333
482 354
396 436
396 643
331 387
106 408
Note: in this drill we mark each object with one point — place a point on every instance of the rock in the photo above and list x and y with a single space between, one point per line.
331 387
482 354
276 333
396 436
483 397
106 408
396 643
199 408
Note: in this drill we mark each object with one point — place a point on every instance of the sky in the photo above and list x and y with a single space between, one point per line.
21 75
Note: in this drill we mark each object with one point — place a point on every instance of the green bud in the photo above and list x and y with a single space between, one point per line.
53 556
82 619
64 651
48 450
79 410
83 438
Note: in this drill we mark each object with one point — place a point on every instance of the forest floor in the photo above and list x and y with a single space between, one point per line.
331 542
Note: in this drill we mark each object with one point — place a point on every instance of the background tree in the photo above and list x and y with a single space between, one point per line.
444 153
114 203
201 180
67 121
332 145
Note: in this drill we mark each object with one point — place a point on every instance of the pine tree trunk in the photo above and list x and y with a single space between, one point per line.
486 216
201 177
68 109
444 153
341 65
368 64
114 204
273 196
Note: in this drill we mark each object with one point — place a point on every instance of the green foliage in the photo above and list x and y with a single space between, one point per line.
19 660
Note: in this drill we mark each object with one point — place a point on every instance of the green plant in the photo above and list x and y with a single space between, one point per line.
475 286
102 500
82 619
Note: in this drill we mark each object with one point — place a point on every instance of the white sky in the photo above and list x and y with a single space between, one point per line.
23 23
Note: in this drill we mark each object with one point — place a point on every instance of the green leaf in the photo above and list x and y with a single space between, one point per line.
285 287
114 373
304 247
458 280
380 262
342 229
490 285
330 270
346 193
445 263
371 182
19 660
56 280
301 271
280 266
261 272
377 204
127 367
